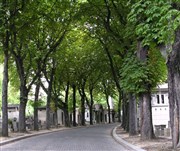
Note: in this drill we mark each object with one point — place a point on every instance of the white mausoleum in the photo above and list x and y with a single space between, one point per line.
160 106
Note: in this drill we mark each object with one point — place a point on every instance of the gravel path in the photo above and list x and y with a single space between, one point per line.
158 144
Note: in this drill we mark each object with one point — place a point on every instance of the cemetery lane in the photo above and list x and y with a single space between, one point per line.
93 138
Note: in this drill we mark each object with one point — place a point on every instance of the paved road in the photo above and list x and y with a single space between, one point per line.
95 138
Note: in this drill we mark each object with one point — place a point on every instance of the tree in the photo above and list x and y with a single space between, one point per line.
107 22
19 44
132 115
157 22
174 90
5 48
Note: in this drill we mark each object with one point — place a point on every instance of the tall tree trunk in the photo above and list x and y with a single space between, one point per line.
49 96
82 111
5 90
107 101
127 116
55 117
91 107
74 104
36 126
57 103
114 71
109 110
56 112
48 121
24 89
81 92
22 107
146 113
173 65
125 106
83 98
66 112
48 108
5 39
119 107
140 99
132 115
146 117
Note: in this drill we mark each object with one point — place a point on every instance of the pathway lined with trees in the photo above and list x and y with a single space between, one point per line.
79 52
80 139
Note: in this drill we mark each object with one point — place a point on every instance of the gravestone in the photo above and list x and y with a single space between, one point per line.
15 124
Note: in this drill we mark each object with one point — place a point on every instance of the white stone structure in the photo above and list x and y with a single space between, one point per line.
42 116
60 116
13 111
111 102
87 115
160 106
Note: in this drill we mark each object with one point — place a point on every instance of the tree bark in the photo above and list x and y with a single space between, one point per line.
123 124
5 39
132 115
49 93
147 132
74 104
81 92
5 90
127 116
83 98
108 106
119 107
125 110
91 107
173 65
83 111
146 113
22 108
55 112
36 126
66 112
107 101
48 109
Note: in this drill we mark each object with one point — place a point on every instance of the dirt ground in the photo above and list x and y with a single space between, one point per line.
157 144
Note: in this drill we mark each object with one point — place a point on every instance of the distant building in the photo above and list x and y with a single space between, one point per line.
160 106
160 110
100 113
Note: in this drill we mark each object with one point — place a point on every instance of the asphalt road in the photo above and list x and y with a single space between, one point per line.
95 138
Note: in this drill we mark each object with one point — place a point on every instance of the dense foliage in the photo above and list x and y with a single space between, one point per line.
155 21
85 46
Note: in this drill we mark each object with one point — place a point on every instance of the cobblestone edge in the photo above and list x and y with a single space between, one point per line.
129 146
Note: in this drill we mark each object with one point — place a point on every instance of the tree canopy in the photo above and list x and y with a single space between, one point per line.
87 44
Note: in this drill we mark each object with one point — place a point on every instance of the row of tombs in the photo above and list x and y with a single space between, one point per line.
160 114
100 115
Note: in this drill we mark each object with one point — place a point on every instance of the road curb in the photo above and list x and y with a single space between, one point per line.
124 143
11 140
